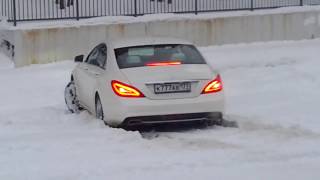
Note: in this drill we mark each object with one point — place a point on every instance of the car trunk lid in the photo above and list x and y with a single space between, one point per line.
176 78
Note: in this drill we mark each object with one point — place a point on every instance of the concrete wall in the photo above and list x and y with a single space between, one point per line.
54 44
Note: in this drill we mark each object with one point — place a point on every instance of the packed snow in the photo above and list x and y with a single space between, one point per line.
272 90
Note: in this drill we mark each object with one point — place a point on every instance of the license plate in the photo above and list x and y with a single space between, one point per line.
172 87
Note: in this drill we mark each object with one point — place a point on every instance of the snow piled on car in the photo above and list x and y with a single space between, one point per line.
272 90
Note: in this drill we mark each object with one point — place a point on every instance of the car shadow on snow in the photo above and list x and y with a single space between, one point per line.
154 131
172 127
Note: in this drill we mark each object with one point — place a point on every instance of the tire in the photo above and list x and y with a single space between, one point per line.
70 97
99 109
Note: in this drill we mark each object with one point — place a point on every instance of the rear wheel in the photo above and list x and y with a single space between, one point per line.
70 97
99 109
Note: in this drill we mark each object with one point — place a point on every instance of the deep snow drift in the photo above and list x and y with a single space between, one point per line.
272 90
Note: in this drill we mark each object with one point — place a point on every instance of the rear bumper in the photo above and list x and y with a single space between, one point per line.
173 118
163 111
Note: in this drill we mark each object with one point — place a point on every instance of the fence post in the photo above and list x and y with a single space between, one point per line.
14 13
196 7
301 2
135 8
252 5
77 10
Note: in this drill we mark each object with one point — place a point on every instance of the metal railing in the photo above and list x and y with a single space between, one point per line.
33 10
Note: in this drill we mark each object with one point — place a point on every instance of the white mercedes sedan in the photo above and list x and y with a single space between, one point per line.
146 81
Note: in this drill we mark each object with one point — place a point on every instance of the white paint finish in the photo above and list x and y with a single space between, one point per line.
53 44
90 79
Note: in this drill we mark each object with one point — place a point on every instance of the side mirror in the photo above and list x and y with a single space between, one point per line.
79 58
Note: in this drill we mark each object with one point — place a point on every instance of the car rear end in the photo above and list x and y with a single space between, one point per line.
164 83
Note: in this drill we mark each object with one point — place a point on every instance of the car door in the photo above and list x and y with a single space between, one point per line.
95 68
82 79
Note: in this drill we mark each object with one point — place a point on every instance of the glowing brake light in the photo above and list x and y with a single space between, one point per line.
125 90
213 86
172 63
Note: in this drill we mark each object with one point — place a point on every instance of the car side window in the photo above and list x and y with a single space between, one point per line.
92 56
98 56
102 55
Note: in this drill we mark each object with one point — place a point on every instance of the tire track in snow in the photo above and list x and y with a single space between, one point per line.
234 138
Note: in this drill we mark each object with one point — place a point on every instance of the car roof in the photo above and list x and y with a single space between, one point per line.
140 41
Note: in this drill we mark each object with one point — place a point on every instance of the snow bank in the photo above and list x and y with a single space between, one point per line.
271 90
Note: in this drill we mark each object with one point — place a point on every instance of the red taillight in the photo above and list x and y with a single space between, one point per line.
169 63
213 86
125 90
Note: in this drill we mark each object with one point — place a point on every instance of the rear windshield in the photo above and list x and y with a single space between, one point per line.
139 56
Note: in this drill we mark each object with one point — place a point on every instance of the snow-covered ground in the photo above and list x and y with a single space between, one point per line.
272 90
